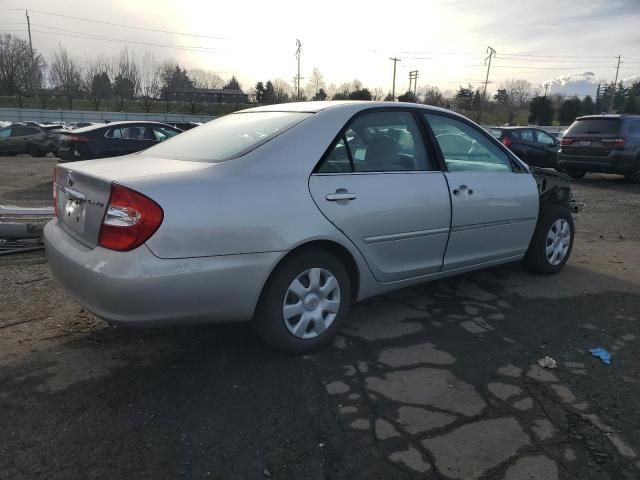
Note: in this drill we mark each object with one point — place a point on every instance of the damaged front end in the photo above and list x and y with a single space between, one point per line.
555 187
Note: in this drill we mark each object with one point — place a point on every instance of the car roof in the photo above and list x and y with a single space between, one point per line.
349 105
117 124
608 116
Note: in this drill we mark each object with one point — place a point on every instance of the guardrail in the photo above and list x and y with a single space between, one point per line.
17 115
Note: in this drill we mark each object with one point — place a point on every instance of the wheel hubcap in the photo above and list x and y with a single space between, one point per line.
311 303
558 241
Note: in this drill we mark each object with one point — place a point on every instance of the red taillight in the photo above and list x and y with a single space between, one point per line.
566 141
130 220
506 141
76 138
55 191
613 142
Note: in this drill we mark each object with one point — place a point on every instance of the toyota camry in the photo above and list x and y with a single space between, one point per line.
284 215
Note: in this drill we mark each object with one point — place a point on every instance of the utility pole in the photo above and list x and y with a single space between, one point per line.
487 62
546 89
615 84
298 52
394 60
413 77
26 12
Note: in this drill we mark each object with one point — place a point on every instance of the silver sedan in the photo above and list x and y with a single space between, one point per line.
285 215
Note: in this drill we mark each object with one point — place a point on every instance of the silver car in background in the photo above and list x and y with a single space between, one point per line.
286 214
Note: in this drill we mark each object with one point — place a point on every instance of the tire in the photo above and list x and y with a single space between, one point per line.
552 220
633 176
322 325
83 153
34 151
575 173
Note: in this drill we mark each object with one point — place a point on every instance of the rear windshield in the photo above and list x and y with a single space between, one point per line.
496 132
595 125
227 137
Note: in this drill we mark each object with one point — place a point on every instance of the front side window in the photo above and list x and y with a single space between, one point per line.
378 142
161 133
23 131
5 132
527 135
227 137
545 138
466 149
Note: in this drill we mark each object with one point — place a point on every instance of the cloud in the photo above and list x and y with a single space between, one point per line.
580 84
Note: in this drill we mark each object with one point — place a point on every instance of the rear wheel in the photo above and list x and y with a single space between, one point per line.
552 240
35 151
633 175
576 173
304 302
79 152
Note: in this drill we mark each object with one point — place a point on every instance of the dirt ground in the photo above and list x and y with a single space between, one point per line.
439 381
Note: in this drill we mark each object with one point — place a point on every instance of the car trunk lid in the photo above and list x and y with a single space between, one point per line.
82 189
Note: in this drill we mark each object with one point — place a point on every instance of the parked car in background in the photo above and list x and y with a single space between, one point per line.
31 138
184 126
112 139
602 143
288 213
534 146
74 125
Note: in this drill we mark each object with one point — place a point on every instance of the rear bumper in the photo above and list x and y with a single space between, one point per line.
618 162
138 288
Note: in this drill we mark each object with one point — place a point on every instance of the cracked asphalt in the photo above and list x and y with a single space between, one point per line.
438 381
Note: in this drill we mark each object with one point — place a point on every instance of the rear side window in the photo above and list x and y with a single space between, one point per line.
227 137
24 131
595 126
527 135
4 133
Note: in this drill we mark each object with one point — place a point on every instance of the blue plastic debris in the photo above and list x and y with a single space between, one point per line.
602 354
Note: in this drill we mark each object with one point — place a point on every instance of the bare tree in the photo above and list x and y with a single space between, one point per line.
165 75
96 79
518 91
377 95
66 75
316 82
149 81
282 91
205 79
20 72
126 83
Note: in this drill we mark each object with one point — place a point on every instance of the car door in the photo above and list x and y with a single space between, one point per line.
548 149
382 188
527 146
494 200
5 140
20 138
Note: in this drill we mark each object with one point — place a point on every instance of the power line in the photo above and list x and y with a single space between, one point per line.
89 36
134 27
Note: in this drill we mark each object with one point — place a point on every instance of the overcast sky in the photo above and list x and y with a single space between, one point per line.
445 40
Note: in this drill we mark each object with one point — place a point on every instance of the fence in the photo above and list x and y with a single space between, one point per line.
41 116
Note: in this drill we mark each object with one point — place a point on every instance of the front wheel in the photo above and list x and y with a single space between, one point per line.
575 173
552 241
304 302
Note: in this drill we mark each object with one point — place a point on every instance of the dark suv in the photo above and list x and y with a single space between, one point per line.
602 143
30 138
533 146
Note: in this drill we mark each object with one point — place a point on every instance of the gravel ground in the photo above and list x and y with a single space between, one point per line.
437 381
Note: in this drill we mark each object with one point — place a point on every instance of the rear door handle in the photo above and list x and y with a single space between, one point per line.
336 197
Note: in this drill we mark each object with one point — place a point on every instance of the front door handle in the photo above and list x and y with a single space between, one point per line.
341 195
462 189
